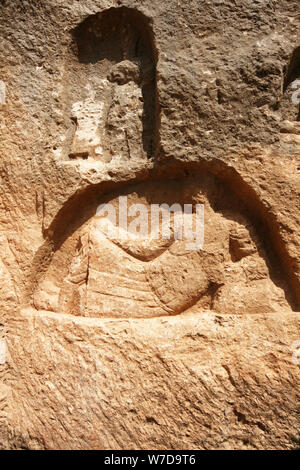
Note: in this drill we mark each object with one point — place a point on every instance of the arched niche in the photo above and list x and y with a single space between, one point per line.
110 88
290 108
243 237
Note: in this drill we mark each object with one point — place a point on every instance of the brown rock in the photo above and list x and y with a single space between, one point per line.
138 341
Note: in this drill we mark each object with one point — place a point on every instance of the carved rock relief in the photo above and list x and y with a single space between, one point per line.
111 103
290 101
94 276
110 89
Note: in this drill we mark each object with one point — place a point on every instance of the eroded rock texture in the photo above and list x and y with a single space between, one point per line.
112 75
91 275
142 342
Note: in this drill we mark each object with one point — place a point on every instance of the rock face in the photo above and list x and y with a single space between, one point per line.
91 275
183 334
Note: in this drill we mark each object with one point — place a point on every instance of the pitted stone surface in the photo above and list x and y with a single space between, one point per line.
110 344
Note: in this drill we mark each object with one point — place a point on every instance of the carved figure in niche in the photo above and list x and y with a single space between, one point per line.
111 88
290 102
124 126
153 277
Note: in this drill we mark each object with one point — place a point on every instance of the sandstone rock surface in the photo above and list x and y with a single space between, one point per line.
143 343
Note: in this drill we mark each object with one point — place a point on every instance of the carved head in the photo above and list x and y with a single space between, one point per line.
125 72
